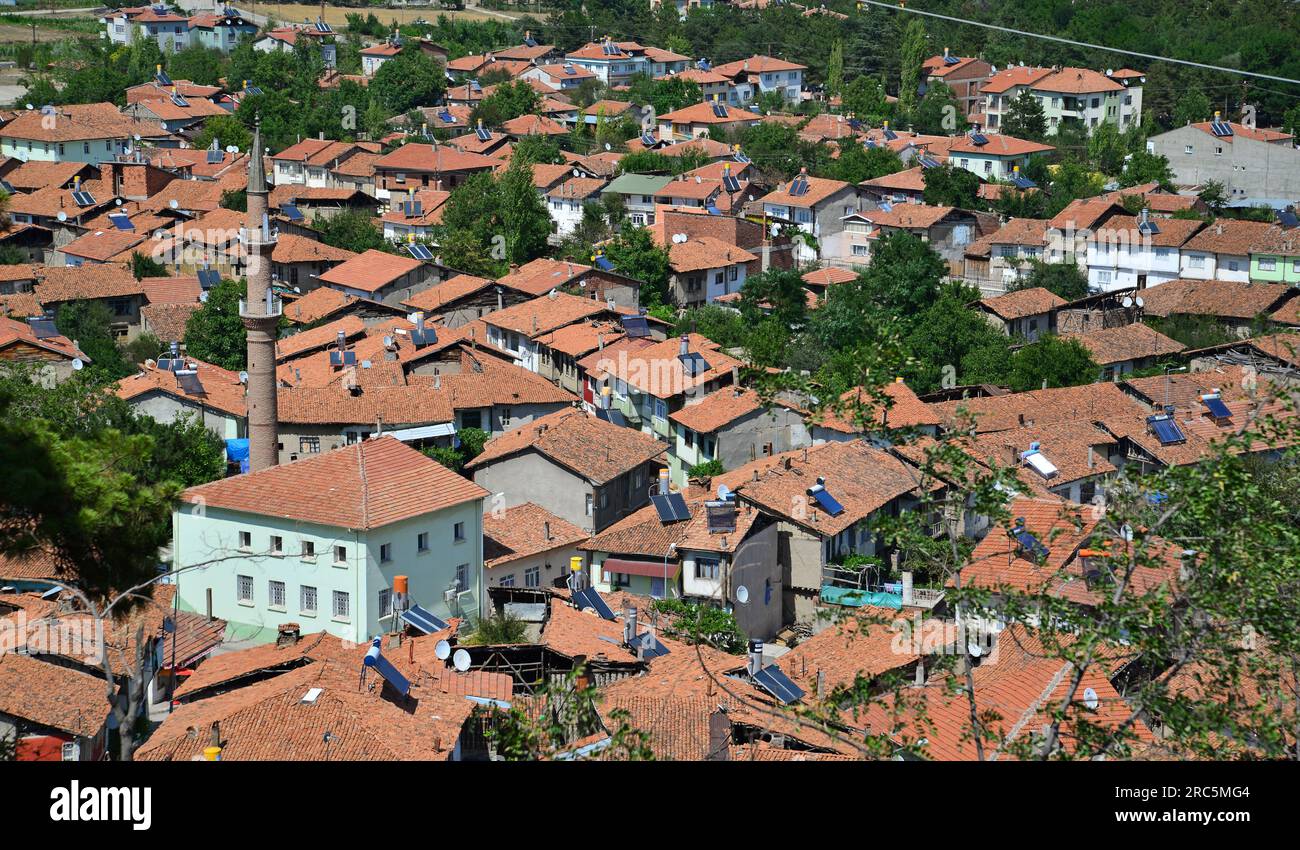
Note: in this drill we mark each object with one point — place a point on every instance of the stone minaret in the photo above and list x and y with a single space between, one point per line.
261 315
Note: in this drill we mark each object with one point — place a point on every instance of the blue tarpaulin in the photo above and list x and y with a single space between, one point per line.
855 597
237 450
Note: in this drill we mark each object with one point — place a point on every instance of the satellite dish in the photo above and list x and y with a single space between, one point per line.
460 660
607 147
776 229
576 173
136 137
975 649
203 297
1140 303
174 204
442 650
1090 699
62 216
1127 302
118 201
388 342
723 491
77 365
742 595
231 149
29 106
243 377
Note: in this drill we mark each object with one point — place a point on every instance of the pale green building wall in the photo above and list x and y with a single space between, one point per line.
211 537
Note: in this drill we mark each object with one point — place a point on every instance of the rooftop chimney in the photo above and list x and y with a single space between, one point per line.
629 622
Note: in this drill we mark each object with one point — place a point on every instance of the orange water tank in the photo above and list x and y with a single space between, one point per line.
399 584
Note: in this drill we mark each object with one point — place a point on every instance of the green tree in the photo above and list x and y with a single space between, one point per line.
1058 362
498 629
1193 107
939 113
352 230
215 333
835 69
664 95
864 98
951 186
89 323
509 100
912 53
226 131
1107 148
525 223
857 162
949 339
200 65
1214 195
635 254
1025 118
143 266
409 79
776 292
537 150
1143 167
1065 280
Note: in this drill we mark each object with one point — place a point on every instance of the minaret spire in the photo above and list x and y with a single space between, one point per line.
260 314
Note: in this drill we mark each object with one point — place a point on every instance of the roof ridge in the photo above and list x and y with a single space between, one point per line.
365 490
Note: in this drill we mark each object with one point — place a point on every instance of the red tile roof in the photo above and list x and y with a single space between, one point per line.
368 485
1033 301
519 532
592 448
370 271
222 389
1109 346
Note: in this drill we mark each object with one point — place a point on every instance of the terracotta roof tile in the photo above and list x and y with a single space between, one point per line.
368 485
1041 407
597 450
1023 302
222 388
659 364
519 532
52 695
858 407
1127 342
168 321
545 314
1223 298
861 478
370 271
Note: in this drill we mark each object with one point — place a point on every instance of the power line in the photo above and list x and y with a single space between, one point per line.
1058 39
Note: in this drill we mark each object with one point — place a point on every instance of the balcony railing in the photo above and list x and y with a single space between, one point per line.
274 307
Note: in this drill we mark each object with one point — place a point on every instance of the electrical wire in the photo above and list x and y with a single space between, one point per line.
1073 43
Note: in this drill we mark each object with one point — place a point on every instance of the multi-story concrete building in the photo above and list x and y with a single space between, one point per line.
816 206
761 74
963 74
1255 166
321 541
587 471
1078 96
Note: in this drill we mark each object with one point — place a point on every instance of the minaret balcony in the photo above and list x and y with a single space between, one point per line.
258 236
272 308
